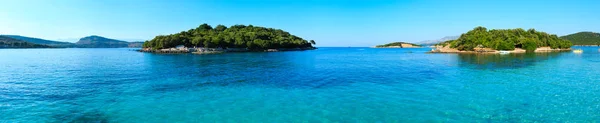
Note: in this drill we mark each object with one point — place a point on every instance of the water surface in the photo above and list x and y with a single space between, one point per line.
324 85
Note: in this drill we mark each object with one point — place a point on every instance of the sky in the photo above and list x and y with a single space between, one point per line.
328 22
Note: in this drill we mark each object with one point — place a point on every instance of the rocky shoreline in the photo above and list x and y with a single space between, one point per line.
447 49
183 50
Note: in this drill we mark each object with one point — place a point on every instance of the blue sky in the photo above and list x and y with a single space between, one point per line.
329 22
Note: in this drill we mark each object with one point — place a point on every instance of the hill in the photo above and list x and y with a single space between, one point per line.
398 45
583 38
8 42
100 42
237 36
41 41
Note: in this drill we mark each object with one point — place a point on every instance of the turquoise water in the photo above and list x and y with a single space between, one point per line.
324 85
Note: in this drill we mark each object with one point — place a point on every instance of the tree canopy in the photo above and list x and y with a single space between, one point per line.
583 38
507 39
236 36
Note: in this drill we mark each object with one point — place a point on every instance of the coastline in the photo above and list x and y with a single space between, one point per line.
447 49
201 50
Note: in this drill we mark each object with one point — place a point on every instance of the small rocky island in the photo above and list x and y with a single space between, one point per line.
238 38
481 40
398 45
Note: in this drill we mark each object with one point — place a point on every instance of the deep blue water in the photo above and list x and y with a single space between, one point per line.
324 85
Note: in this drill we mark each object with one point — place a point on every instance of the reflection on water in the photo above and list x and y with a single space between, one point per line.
507 61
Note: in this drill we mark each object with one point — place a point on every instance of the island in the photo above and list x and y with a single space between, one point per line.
237 38
95 41
481 40
584 38
398 45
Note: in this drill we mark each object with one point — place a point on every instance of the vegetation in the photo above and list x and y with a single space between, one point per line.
397 44
583 38
7 42
507 39
237 36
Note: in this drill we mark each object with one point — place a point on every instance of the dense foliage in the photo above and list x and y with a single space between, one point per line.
583 38
7 42
507 39
398 44
237 36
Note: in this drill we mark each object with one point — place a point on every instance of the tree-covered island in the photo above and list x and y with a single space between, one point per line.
398 45
236 38
517 40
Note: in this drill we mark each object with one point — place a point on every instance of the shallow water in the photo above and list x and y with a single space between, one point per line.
324 85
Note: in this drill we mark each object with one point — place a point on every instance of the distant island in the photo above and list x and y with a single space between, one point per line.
95 41
583 38
481 40
237 38
42 41
7 42
398 45
85 42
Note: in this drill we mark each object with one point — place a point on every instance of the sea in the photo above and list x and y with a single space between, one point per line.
330 84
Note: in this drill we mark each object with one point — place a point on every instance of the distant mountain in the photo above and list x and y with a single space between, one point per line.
432 42
42 41
583 38
135 44
8 42
101 42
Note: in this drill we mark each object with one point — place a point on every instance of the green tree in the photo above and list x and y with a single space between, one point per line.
220 28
